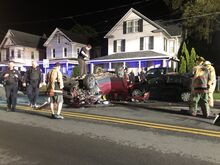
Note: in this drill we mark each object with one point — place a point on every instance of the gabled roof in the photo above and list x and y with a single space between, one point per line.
172 29
159 27
131 55
72 37
23 39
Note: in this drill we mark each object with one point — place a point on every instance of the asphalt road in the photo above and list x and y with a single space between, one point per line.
32 137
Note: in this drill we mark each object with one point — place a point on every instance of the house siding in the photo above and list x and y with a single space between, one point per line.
132 40
59 48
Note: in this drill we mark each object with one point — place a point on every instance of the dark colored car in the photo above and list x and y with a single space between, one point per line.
175 87
155 72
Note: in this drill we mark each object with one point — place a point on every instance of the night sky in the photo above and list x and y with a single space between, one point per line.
39 17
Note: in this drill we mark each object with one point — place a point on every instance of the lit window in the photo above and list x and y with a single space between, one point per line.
119 46
132 26
147 43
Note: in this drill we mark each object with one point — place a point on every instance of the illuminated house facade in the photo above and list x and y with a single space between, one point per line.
63 46
136 42
22 48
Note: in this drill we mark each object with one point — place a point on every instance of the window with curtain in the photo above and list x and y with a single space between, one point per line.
147 43
133 26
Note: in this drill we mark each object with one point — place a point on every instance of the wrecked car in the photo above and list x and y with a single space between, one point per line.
100 88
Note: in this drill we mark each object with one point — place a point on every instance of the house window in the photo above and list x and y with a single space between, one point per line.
78 50
7 54
133 26
119 46
172 46
129 26
53 53
165 44
19 53
147 43
64 52
58 39
32 55
12 54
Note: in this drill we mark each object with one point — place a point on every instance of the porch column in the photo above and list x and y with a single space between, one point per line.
164 63
92 68
110 66
67 67
139 66
124 64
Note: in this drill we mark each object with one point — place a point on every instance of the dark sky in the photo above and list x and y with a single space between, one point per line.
43 16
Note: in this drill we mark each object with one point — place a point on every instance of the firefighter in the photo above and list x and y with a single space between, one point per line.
11 77
200 86
212 84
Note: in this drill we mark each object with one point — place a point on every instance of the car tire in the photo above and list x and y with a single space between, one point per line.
120 72
89 81
185 96
136 92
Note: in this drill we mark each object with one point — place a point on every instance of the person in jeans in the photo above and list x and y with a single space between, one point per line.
33 82
11 77
83 56
55 83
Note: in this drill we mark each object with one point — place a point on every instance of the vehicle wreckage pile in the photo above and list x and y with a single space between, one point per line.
99 88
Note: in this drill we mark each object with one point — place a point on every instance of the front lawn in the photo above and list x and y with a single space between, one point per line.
217 95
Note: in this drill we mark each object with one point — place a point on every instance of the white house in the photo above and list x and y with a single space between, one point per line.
63 46
22 48
136 42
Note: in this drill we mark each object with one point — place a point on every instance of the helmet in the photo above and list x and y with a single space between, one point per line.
207 63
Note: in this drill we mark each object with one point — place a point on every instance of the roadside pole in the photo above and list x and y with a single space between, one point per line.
45 65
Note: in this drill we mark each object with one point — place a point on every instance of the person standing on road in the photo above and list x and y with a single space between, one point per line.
212 84
55 82
11 77
83 56
132 77
200 85
33 83
142 76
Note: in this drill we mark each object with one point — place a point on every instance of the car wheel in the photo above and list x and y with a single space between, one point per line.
136 92
120 72
89 81
185 96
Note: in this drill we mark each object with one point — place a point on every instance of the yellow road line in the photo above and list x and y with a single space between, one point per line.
211 133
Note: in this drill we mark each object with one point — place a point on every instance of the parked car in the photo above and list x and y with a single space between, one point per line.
155 72
92 89
171 86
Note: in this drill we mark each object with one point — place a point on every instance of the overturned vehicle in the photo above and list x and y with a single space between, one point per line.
101 88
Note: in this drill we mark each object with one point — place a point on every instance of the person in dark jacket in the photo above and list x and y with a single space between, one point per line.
132 77
11 77
83 56
33 82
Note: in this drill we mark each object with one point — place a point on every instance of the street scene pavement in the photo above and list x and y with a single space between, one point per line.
152 132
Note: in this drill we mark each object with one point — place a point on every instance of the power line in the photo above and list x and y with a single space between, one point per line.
79 15
175 20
